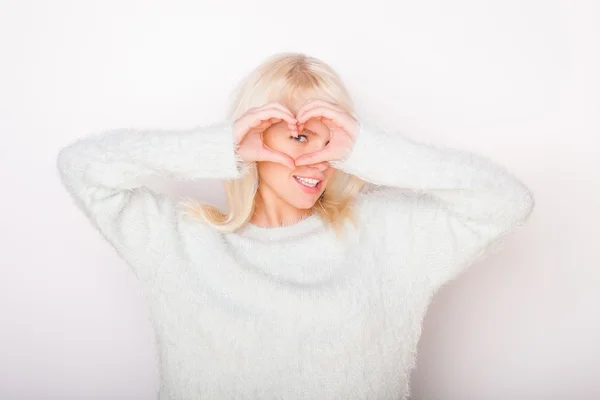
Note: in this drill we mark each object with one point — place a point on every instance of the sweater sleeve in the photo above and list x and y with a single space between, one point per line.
460 204
103 172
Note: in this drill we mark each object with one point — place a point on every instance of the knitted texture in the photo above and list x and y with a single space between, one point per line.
292 312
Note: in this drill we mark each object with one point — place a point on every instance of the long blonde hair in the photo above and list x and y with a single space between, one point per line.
290 79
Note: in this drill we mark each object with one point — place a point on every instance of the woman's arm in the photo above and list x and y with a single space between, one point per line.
461 203
102 172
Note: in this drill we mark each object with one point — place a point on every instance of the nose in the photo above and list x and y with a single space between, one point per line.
322 166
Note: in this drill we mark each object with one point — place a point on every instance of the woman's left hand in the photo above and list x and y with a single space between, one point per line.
342 126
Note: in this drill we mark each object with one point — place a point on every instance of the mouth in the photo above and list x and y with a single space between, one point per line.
309 185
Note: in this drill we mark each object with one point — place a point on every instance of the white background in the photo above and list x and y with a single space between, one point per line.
517 80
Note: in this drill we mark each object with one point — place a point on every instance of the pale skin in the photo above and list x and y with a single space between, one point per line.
292 154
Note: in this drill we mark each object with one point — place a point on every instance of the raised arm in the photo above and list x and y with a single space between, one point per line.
102 172
461 204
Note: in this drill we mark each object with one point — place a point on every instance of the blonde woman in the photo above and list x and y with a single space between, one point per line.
309 286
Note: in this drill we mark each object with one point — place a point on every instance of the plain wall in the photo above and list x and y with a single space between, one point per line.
516 80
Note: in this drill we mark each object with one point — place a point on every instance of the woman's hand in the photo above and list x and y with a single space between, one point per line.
248 129
343 127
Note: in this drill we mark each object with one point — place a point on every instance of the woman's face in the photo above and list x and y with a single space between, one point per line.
302 186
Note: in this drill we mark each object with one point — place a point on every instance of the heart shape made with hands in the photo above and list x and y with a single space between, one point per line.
343 128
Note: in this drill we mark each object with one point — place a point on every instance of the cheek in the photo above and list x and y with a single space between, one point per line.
329 173
272 173
283 144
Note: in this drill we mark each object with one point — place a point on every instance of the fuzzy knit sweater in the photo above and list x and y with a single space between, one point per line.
292 312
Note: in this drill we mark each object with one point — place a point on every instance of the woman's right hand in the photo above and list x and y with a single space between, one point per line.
248 129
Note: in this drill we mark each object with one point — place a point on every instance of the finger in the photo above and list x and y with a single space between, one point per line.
281 158
300 115
268 113
307 106
339 118
328 123
314 158
294 129
334 119
317 103
322 166
278 106
283 108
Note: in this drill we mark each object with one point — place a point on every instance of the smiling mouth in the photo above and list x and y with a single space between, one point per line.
308 182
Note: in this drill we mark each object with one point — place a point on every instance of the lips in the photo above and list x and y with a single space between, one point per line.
309 180
305 183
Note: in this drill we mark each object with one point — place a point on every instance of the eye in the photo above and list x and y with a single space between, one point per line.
300 138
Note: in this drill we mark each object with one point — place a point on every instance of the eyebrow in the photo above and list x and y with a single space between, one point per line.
309 132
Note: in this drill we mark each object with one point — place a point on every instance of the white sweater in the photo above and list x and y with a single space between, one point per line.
292 312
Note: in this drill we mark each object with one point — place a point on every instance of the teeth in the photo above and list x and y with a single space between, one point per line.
307 181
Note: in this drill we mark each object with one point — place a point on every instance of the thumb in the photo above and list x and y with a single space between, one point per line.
315 157
278 157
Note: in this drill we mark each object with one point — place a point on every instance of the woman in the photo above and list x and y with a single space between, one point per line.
309 286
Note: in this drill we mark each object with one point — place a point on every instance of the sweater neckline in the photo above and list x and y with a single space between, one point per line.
304 226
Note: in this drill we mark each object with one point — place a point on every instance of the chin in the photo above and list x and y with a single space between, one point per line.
303 204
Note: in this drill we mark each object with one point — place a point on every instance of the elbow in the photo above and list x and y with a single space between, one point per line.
64 160
66 163
524 204
515 205
530 203
68 155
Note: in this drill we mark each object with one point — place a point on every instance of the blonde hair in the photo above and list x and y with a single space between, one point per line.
290 79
